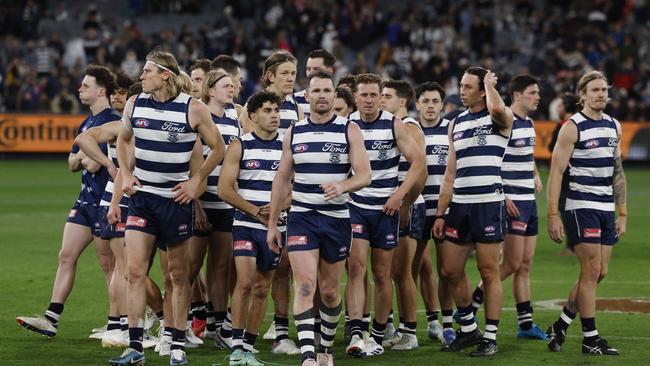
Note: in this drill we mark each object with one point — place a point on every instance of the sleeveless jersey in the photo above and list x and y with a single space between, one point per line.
517 170
288 114
229 129
404 164
94 184
379 140
164 141
479 150
591 166
437 149
320 155
257 167
108 192
302 102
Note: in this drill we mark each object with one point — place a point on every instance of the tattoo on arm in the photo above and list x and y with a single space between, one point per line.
619 185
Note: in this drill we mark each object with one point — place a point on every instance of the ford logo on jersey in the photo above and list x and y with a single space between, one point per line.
252 164
300 148
592 144
142 123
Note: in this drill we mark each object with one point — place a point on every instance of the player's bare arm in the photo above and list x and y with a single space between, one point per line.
501 115
89 141
560 160
201 121
279 193
619 188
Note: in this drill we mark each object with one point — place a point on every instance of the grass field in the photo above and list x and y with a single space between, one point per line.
35 197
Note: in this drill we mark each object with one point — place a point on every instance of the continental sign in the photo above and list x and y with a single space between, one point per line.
39 133
50 133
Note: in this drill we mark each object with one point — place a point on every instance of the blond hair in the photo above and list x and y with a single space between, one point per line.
185 82
586 79
166 62
211 78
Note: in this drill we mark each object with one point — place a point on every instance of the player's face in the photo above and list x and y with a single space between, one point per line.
118 99
315 65
284 78
152 79
341 107
223 91
470 91
390 102
320 95
595 95
197 76
267 118
89 91
368 98
429 105
530 97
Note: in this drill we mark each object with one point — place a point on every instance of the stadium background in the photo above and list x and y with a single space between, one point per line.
46 45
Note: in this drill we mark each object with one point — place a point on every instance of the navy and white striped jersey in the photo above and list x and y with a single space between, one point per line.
94 184
288 114
108 192
229 129
436 143
164 141
479 150
231 111
380 143
591 167
320 155
299 97
517 170
257 167
404 164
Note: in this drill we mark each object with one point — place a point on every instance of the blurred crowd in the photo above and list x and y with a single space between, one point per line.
40 67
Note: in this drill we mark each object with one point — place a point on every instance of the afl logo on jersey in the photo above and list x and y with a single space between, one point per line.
520 143
141 123
458 136
300 148
592 144
252 164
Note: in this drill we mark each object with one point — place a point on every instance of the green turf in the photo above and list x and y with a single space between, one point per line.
35 198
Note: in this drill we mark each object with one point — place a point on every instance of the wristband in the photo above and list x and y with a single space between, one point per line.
439 217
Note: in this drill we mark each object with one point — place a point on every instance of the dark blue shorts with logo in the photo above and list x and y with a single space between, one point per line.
86 215
590 226
220 220
311 230
375 226
527 222
249 242
476 222
417 224
167 220
110 231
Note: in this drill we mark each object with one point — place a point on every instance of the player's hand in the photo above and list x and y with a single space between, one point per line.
393 204
332 190
438 230
404 216
274 239
184 192
511 209
266 209
621 226
555 229
200 218
114 214
539 186
490 79
129 183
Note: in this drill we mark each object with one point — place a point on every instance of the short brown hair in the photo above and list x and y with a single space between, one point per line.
370 79
103 77
201 63
402 89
